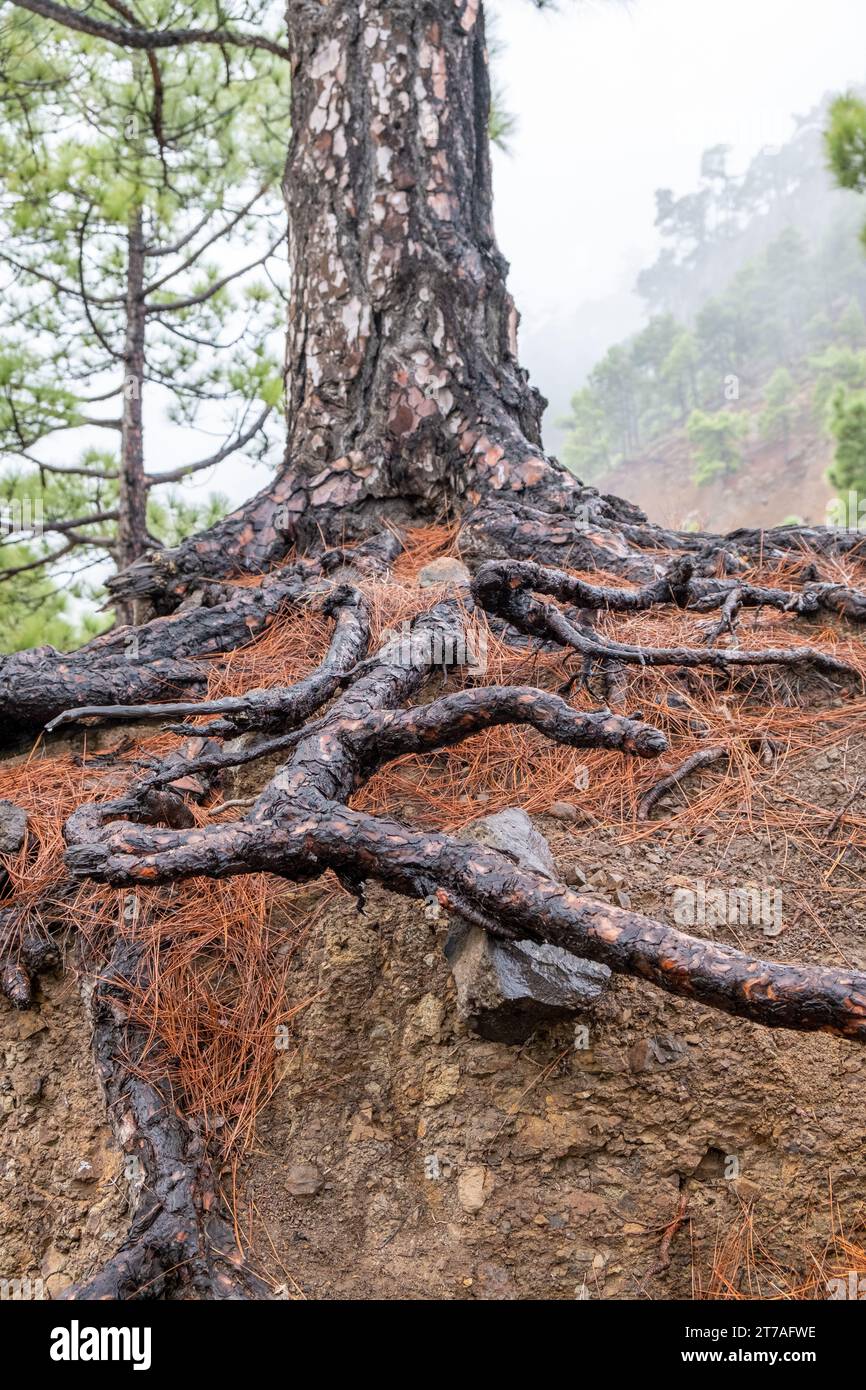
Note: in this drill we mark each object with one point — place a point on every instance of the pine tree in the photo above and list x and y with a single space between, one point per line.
716 439
406 403
777 418
139 216
848 423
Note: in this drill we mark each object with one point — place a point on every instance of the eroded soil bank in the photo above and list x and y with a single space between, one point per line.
431 1164
403 1157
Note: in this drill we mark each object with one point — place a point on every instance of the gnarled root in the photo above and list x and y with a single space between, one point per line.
508 588
181 1237
300 825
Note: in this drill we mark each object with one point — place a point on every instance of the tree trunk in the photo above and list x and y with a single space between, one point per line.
402 369
404 389
132 522
406 399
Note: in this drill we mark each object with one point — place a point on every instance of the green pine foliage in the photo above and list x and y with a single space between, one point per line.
189 144
846 375
716 440
848 423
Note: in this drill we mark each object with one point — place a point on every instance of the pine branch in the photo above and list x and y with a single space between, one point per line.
232 447
144 38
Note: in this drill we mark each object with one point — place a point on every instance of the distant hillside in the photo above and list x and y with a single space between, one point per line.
716 411
770 485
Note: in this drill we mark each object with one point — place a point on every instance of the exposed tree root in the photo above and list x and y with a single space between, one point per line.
165 660
662 1263
512 903
301 825
507 590
705 757
180 1237
280 706
812 600
576 527
21 960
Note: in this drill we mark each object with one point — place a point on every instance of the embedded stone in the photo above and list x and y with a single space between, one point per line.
506 989
445 570
13 827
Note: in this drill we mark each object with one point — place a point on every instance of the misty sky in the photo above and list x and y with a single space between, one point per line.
616 100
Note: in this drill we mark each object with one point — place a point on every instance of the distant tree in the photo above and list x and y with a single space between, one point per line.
714 165
786 293
777 418
848 423
679 372
616 380
834 367
586 450
820 330
651 346
658 284
729 218
716 439
649 354
851 327
719 347
792 308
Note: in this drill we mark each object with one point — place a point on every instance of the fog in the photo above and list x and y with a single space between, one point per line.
615 100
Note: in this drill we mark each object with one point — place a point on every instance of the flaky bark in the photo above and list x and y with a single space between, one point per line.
404 388
132 508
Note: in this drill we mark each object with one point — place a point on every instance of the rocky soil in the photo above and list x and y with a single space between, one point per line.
63 1206
406 1158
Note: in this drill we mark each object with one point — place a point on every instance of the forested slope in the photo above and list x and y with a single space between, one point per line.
756 333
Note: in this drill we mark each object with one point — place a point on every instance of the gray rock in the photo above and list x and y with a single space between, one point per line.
513 834
445 570
303 1180
656 1053
505 989
574 876
13 827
